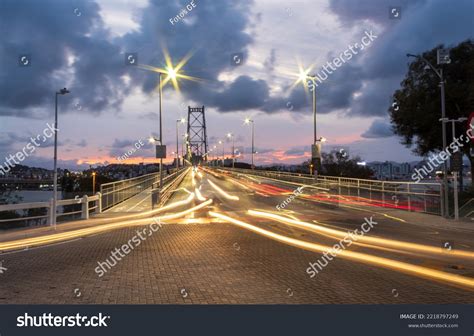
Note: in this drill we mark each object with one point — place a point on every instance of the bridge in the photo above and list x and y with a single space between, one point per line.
224 236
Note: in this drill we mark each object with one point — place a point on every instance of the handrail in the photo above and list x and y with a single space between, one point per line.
145 180
308 176
424 197
117 192
464 206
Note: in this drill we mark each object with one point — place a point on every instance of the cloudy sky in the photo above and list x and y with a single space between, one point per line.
81 45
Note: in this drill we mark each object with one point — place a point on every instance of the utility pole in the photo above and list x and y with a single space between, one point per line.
442 58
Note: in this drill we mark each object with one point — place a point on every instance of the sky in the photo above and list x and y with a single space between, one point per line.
112 106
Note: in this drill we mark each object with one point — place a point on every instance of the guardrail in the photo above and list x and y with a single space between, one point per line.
114 193
467 209
41 213
410 196
83 203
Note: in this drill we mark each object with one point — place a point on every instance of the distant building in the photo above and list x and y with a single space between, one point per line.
390 170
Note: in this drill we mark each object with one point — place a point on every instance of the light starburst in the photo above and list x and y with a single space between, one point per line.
173 72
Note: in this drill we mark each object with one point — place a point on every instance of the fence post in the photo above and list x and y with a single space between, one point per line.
441 197
98 203
383 193
409 199
85 207
50 212
358 189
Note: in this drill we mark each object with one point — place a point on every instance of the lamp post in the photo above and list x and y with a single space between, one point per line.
172 75
222 143
93 182
55 175
231 136
182 121
316 155
161 131
455 173
247 122
439 73
185 136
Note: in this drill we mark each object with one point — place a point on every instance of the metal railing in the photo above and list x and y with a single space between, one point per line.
410 196
467 209
117 192
110 195
80 207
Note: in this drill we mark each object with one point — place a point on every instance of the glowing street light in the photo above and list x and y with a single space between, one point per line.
303 76
93 182
173 73
179 121
231 136
247 121
223 155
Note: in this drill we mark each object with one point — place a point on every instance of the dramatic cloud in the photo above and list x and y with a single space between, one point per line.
379 129
213 31
423 26
64 50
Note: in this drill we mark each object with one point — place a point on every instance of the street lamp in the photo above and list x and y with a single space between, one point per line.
185 137
62 92
179 121
316 156
223 155
304 78
172 73
93 182
216 155
231 136
439 73
247 122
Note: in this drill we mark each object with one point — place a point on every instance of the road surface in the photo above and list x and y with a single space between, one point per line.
204 258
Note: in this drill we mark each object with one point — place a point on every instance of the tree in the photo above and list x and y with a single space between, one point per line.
416 110
336 163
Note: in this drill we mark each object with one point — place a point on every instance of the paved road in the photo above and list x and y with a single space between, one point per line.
202 259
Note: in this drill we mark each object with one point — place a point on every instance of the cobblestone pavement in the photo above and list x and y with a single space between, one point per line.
203 263
215 262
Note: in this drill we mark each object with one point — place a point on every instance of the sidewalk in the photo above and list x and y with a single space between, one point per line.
418 218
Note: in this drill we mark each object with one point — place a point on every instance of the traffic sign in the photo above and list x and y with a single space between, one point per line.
443 56
470 125
161 152
316 151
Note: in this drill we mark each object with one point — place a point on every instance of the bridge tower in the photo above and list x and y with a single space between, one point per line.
196 149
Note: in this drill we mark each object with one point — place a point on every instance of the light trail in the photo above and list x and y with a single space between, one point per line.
184 189
222 192
199 195
234 181
57 237
193 178
397 244
419 271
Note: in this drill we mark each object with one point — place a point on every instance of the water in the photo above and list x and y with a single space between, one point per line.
30 196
